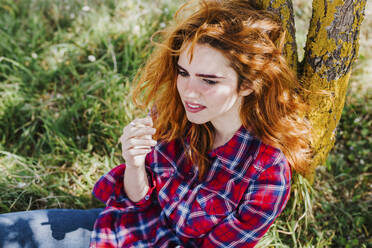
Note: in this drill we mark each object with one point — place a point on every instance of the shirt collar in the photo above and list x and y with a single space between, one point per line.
240 140
232 152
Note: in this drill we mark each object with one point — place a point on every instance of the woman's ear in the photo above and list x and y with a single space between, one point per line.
245 92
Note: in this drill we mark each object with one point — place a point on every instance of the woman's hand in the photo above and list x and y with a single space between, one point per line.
137 141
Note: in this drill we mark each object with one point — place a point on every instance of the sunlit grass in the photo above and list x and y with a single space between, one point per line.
65 73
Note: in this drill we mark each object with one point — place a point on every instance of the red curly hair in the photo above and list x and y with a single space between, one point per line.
252 40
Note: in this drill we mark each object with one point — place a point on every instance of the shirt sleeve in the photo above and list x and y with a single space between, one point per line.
264 200
110 190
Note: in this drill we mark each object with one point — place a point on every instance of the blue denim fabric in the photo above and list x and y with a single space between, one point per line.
50 228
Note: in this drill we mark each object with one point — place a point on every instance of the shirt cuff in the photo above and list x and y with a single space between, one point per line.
147 199
110 190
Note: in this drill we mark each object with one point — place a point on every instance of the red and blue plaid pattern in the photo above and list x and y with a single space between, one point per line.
246 188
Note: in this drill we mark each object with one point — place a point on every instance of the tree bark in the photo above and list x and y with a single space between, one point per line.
331 47
284 9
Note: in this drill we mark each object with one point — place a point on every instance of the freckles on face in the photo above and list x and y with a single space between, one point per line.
225 96
207 85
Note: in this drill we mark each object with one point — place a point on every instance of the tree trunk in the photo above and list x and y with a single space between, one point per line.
284 9
331 47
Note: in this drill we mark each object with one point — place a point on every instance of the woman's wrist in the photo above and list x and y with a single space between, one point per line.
136 182
134 168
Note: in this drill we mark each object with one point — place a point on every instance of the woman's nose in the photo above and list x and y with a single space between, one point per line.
191 88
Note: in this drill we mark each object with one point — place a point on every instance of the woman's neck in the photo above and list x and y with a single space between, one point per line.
227 125
223 136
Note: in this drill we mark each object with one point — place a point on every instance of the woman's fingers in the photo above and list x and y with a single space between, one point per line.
136 142
140 134
139 131
136 152
142 122
135 157
139 127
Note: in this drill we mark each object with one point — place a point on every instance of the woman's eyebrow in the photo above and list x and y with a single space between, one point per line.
200 74
180 67
208 76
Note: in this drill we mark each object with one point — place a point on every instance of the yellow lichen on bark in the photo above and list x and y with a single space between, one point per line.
290 51
321 45
357 10
290 48
326 109
330 50
331 47
346 48
285 14
266 4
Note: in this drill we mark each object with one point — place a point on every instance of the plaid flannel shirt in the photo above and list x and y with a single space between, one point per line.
246 188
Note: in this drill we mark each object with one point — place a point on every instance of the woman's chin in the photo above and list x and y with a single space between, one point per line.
196 120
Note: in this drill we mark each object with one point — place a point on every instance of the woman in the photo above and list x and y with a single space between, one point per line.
211 165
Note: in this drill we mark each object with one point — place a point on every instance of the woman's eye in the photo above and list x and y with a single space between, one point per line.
182 73
211 82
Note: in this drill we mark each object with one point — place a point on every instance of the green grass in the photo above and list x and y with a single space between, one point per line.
65 73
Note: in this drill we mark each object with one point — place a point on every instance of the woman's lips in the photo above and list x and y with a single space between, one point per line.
193 107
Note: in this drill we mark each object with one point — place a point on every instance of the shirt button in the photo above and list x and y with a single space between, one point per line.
147 197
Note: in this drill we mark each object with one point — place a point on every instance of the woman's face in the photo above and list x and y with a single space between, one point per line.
208 87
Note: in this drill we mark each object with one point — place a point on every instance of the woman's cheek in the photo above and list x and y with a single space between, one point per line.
211 91
206 88
180 84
